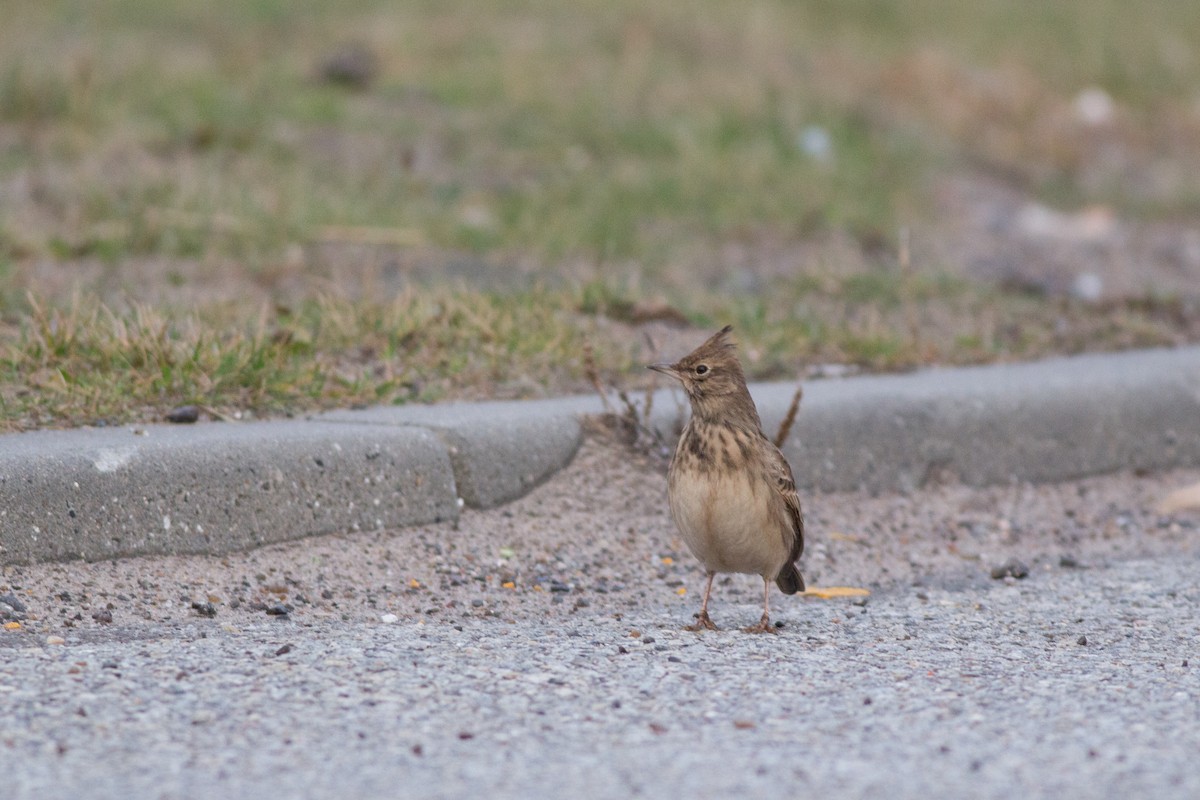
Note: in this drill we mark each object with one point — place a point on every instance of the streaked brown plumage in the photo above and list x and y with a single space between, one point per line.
731 491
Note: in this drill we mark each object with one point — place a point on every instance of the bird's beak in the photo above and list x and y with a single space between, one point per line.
665 369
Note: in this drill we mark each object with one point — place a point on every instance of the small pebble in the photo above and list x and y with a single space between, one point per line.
279 610
1013 568
204 609
13 602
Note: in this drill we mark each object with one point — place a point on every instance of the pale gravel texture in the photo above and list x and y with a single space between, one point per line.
599 533
577 680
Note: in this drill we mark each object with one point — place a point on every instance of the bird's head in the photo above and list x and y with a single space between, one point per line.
711 374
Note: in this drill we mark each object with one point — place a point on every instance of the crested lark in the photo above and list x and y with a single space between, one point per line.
731 491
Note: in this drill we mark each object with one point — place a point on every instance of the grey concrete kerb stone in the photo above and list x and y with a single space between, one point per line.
1049 420
102 493
500 450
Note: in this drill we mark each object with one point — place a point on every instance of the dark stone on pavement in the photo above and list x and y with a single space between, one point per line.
11 608
184 414
205 609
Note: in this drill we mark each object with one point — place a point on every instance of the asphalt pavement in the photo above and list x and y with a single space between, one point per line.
1072 684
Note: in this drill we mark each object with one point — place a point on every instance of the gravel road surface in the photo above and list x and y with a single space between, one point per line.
537 650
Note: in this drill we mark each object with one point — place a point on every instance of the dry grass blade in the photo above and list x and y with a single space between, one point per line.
630 423
789 418
645 437
593 375
651 387
216 413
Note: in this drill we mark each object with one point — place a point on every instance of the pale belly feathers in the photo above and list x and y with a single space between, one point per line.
729 527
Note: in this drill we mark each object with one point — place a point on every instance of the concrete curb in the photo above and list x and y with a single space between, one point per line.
1049 420
103 493
500 450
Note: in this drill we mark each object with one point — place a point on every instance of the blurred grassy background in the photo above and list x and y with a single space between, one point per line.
270 206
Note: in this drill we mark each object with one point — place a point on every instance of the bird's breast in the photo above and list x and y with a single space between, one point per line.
729 520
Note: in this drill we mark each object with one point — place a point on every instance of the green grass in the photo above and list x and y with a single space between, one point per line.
85 363
574 126
173 173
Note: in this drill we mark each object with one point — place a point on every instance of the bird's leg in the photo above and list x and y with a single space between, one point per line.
764 624
702 619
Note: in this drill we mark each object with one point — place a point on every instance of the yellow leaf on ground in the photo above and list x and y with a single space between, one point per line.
12 626
681 591
1185 499
828 592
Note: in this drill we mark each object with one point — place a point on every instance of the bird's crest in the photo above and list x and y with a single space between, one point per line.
718 345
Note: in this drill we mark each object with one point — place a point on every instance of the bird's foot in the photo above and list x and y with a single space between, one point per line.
703 623
764 626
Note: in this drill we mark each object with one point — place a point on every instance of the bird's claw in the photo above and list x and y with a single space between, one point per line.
764 626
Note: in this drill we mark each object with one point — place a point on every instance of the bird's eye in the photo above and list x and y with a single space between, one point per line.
700 370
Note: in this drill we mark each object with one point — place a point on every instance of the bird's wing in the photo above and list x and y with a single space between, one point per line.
785 484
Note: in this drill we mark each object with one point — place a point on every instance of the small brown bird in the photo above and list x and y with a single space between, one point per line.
731 491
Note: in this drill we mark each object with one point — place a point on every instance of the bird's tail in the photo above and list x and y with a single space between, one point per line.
789 580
